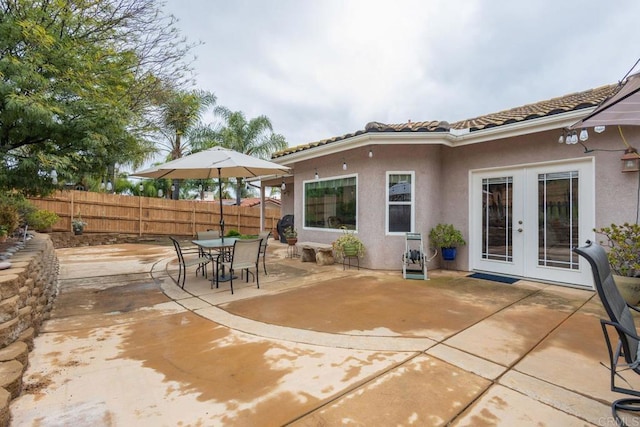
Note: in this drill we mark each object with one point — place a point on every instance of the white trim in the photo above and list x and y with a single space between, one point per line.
412 203
329 178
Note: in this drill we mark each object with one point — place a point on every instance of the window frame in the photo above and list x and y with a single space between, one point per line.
330 178
388 203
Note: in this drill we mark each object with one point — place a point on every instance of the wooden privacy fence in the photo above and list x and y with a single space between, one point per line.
114 213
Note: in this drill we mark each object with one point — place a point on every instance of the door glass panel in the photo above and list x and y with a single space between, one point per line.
558 219
497 233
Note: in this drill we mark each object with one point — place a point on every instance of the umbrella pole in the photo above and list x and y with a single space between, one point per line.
221 217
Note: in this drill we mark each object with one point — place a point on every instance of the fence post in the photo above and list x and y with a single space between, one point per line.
72 210
140 217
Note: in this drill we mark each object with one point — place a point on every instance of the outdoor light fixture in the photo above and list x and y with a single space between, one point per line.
584 135
109 186
599 129
569 138
344 165
283 187
102 185
141 188
54 177
173 188
317 176
160 192
370 153
630 160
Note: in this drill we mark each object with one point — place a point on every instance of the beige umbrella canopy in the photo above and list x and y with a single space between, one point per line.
216 162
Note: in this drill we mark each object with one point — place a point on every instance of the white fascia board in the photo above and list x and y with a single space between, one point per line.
453 138
557 121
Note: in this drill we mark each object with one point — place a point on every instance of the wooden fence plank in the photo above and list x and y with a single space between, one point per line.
115 213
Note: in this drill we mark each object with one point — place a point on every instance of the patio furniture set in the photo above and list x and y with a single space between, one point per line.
228 255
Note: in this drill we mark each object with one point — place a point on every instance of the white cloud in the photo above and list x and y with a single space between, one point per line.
326 68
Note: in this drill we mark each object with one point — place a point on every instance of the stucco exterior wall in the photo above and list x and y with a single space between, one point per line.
442 176
383 251
616 192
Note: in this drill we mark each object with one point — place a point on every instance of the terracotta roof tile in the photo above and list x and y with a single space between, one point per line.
562 104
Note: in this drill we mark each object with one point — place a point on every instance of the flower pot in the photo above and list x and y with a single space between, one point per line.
292 241
350 250
448 254
77 231
629 288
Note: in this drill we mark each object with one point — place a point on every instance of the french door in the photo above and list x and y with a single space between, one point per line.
526 220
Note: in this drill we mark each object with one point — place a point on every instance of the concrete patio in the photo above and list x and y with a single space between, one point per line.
314 346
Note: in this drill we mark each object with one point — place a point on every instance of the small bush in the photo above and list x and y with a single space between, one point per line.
42 219
233 233
9 218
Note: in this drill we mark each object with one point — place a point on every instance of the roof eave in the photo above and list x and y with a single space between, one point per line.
451 139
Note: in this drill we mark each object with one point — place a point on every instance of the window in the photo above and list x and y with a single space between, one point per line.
400 202
331 203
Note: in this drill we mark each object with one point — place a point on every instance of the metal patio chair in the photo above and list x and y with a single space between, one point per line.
263 248
245 256
186 259
624 355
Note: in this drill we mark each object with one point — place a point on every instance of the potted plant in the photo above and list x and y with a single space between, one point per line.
42 220
78 225
447 238
348 244
623 244
3 233
291 235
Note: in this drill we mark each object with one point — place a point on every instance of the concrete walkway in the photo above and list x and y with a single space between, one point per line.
314 346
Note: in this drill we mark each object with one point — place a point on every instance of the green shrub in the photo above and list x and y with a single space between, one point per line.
12 204
233 233
445 236
9 217
623 241
42 219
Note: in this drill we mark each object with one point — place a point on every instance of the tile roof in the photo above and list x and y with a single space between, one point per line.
255 201
562 104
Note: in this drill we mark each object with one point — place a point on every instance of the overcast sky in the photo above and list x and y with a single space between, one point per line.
324 68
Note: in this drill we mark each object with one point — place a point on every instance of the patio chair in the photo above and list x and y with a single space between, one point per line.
200 259
263 248
208 235
625 357
245 255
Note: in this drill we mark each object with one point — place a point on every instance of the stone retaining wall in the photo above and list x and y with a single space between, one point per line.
70 240
27 292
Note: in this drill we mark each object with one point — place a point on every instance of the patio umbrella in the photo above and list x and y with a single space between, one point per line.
623 108
217 161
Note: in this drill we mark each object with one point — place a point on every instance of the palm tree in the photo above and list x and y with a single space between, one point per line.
181 114
254 137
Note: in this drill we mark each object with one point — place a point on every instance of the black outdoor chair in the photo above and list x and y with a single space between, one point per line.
625 356
200 259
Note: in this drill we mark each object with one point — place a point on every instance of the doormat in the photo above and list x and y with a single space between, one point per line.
493 278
